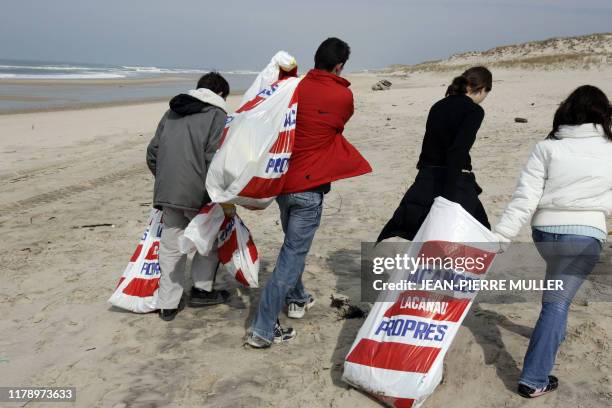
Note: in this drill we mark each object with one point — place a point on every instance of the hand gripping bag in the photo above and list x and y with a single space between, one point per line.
399 351
281 60
137 287
201 233
250 165
237 252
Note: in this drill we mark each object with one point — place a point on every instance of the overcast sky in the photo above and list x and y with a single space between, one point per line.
244 34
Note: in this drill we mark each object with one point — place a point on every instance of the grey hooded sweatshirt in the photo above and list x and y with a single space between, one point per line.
180 153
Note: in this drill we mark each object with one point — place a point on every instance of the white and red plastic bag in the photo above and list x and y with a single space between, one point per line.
201 233
137 287
399 351
236 249
249 167
237 252
270 74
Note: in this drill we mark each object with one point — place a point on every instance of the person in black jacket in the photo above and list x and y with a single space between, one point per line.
179 155
445 165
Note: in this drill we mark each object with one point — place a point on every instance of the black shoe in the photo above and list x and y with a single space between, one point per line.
168 314
529 392
201 298
283 335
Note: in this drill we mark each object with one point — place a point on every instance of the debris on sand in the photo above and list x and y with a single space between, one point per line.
345 309
382 85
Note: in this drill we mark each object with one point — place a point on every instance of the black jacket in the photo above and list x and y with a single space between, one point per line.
180 153
451 130
444 167
416 203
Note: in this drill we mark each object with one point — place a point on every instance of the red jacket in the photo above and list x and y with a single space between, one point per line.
320 153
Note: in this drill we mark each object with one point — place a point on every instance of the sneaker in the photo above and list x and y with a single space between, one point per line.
257 342
168 314
282 335
529 392
201 298
297 310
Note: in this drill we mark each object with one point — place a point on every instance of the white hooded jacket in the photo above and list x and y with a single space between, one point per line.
567 181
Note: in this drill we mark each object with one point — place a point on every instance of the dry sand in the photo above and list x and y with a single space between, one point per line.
60 170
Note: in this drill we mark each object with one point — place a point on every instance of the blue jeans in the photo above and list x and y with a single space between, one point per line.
300 217
569 258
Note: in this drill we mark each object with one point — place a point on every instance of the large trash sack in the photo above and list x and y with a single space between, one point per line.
236 249
137 287
201 232
282 60
237 252
250 165
399 351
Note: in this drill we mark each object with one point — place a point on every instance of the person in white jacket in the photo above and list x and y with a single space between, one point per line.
566 190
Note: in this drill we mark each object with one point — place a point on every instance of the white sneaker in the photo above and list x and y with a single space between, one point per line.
297 310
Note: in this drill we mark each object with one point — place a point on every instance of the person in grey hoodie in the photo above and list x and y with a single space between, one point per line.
179 155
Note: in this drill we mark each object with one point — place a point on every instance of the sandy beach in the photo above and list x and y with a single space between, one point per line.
62 170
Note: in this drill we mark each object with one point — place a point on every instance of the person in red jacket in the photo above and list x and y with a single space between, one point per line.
320 156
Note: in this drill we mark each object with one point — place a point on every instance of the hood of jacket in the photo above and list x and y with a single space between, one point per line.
195 101
579 131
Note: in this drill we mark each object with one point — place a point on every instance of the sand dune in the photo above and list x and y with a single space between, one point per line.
585 52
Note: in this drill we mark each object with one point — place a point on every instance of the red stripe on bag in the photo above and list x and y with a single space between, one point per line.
141 287
284 143
227 249
120 281
259 98
397 402
404 306
252 249
259 187
240 278
393 356
250 104
223 137
136 254
206 209
443 250
153 253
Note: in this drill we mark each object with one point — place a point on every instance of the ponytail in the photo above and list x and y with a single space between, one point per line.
474 79
458 86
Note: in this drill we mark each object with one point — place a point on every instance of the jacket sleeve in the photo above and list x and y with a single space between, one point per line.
214 137
351 106
154 145
527 196
458 153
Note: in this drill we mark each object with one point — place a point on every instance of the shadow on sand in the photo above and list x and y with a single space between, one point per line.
485 327
346 266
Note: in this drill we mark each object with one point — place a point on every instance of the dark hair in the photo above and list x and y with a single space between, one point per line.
587 104
330 53
215 82
475 78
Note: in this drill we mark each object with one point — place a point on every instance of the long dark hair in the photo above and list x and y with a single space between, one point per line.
587 104
475 78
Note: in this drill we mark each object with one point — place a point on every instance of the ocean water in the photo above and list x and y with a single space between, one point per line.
15 69
70 87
